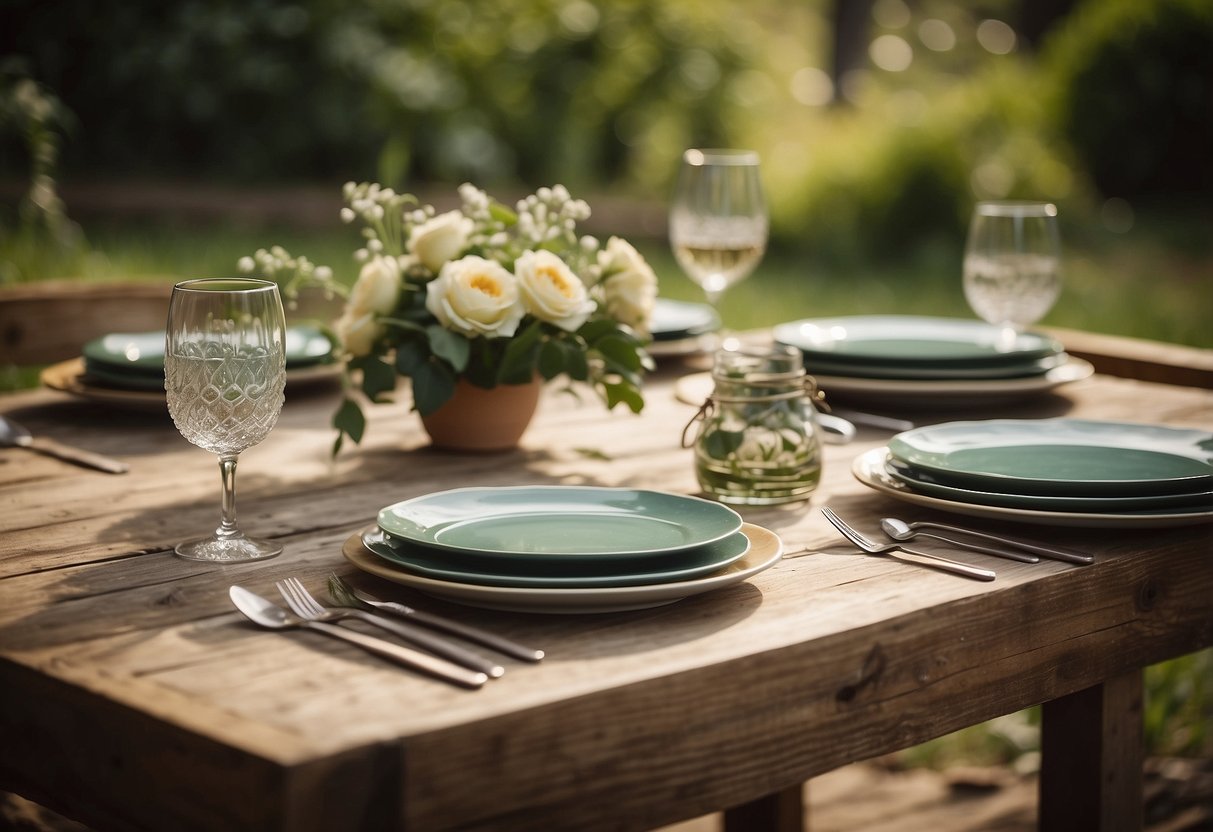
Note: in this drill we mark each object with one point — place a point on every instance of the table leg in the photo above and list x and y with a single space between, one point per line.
1091 766
783 811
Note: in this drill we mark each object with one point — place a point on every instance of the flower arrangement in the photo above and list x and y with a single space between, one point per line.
481 293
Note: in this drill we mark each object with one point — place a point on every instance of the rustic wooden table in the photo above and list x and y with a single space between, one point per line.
133 696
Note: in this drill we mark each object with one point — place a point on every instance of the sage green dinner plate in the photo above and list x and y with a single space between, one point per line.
143 352
923 483
765 551
911 341
562 522
1028 369
1061 457
871 470
676 319
552 573
109 377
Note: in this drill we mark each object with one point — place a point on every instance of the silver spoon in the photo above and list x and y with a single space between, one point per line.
898 530
901 530
273 617
14 434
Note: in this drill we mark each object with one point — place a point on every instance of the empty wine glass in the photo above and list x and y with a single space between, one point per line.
1012 265
224 373
718 218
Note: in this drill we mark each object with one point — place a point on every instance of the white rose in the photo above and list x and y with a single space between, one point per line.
377 288
358 332
476 297
551 291
629 286
439 239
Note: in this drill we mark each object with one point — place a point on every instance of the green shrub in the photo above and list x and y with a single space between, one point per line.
1135 94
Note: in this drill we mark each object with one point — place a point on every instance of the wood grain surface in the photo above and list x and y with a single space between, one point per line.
133 696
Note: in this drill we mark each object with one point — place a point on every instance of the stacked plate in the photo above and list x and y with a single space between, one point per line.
562 548
135 360
1060 471
907 357
680 328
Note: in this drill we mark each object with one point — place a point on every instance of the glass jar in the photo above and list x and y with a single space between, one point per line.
758 441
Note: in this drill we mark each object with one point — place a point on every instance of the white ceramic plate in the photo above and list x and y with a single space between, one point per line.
869 469
765 551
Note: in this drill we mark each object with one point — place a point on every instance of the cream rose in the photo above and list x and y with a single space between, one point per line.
377 288
476 297
439 239
358 332
629 285
551 291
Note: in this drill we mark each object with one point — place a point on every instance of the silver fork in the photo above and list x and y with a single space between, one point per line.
305 606
348 596
930 560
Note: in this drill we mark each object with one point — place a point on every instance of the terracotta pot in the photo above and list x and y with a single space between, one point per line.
479 420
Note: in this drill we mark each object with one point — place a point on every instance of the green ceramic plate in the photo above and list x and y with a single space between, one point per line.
924 483
869 468
1028 369
1060 457
559 521
143 352
911 341
468 569
108 376
676 319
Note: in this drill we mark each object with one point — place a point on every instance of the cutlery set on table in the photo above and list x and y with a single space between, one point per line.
540 549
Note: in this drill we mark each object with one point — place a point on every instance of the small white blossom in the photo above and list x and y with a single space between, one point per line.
348 215
246 265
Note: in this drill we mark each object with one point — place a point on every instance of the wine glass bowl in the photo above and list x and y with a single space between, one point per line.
1012 264
718 218
224 375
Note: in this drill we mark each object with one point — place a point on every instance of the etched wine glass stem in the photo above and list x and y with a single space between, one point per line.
228 530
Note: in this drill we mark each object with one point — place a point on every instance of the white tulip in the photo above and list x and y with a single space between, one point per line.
551 291
377 288
476 297
630 285
440 239
358 332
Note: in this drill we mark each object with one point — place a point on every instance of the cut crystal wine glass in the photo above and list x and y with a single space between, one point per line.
224 374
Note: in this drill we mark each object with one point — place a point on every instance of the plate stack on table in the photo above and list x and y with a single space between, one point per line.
127 368
681 328
928 360
1053 471
562 548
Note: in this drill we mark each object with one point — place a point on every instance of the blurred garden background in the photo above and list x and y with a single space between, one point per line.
154 140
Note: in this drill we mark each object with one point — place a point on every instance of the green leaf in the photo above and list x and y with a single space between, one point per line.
433 384
518 363
718 444
378 377
628 394
596 328
349 421
552 359
451 347
410 355
619 351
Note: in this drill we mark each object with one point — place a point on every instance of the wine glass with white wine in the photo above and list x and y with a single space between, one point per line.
224 374
1012 265
718 218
